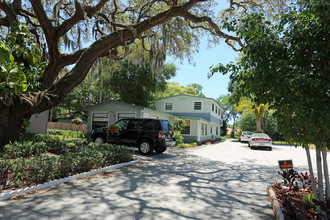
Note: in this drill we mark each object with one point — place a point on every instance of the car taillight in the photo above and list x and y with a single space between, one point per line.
242 135
253 139
161 134
269 140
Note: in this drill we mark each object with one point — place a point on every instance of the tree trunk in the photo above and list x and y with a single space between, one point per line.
11 114
259 124
326 171
319 173
311 172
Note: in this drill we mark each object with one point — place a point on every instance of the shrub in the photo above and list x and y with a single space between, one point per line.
42 168
24 149
308 200
178 138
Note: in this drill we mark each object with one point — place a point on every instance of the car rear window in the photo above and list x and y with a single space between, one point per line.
247 133
261 135
151 125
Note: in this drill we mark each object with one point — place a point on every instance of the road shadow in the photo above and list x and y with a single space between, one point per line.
172 185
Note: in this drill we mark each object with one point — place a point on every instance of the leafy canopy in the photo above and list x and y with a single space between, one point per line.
286 64
20 62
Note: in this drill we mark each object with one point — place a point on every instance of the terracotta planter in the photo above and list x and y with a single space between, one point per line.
114 130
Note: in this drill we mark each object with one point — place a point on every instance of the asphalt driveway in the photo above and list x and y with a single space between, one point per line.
221 181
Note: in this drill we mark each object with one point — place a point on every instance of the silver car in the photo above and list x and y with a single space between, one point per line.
245 136
260 140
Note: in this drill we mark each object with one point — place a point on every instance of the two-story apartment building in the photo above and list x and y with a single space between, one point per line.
203 116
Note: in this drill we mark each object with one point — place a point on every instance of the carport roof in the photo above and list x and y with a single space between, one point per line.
112 101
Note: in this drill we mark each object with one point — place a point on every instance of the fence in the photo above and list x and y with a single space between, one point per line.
66 126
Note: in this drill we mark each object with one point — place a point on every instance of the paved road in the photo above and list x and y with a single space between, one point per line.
221 181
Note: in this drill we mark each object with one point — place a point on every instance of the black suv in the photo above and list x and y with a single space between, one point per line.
147 134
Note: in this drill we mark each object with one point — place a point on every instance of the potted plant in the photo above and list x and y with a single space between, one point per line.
114 128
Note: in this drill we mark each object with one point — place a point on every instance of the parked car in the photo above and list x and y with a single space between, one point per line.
260 140
245 136
146 134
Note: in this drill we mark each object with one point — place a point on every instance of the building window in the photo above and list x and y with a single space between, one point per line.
186 129
217 131
212 107
197 105
216 109
211 130
219 112
168 105
204 129
99 120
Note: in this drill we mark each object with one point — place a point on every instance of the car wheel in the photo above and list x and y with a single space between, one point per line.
249 145
99 140
145 147
161 150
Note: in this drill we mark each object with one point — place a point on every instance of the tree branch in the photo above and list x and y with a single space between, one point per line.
69 23
103 45
41 15
215 27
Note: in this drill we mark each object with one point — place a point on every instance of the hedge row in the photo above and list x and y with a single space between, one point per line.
41 168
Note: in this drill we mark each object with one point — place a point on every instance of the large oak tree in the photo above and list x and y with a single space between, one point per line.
75 33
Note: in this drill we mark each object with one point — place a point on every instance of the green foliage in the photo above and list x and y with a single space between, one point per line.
174 88
65 134
33 166
178 138
308 200
247 123
21 67
24 149
135 83
179 124
286 64
230 113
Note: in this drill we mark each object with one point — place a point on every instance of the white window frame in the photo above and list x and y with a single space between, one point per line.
197 109
101 112
168 103
204 129
189 129
125 112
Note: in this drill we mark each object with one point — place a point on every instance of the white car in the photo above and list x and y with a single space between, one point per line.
260 140
245 136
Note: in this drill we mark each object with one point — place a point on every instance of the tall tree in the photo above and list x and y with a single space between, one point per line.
287 65
230 113
29 78
135 83
174 88
246 106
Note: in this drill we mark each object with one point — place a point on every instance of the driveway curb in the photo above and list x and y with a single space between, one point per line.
45 185
275 205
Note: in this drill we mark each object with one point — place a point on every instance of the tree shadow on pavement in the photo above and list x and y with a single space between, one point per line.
173 185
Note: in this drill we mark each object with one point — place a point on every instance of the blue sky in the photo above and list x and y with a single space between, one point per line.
188 73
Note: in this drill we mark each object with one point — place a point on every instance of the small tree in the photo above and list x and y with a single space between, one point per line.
178 126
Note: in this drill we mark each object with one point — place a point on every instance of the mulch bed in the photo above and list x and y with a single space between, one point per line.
291 204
